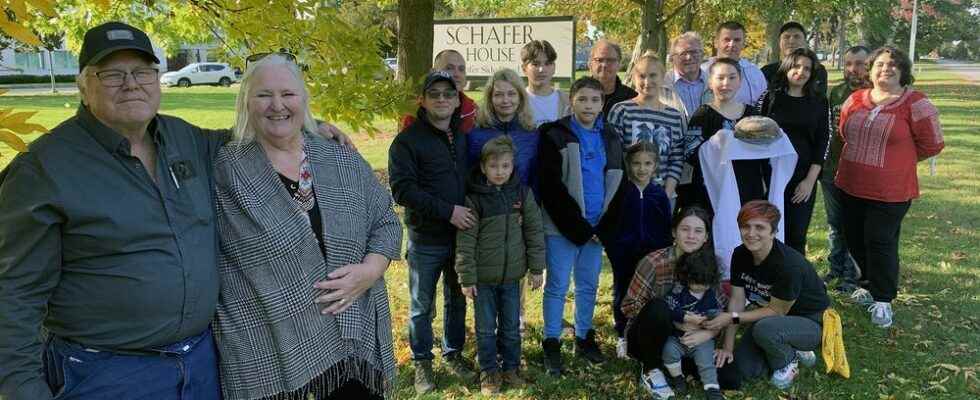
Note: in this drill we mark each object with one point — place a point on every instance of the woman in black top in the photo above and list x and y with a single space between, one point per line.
794 103
786 300
722 112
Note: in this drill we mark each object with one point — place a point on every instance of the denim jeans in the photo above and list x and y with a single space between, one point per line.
187 370
841 263
426 263
497 310
564 258
703 355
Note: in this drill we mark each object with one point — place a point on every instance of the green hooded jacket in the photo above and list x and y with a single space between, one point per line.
507 241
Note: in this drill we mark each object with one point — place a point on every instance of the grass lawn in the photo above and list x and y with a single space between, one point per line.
932 352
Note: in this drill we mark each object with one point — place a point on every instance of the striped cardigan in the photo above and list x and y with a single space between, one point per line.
271 336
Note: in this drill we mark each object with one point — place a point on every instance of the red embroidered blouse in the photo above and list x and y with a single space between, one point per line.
882 145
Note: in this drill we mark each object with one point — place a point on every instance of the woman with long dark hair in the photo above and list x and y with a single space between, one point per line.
649 322
804 115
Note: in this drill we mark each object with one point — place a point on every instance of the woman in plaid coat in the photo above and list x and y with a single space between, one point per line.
307 232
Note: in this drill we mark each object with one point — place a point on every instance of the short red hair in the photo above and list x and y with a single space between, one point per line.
759 209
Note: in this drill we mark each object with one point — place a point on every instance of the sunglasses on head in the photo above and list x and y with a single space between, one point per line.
282 53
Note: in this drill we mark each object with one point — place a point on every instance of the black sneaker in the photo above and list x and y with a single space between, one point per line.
679 384
588 349
714 394
552 356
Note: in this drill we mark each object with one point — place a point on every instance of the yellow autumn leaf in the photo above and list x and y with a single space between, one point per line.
18 32
45 6
24 128
103 4
19 8
12 140
17 118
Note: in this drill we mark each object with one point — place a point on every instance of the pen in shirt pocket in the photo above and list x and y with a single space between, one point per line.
174 177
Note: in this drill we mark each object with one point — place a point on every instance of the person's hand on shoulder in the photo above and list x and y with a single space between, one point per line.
536 281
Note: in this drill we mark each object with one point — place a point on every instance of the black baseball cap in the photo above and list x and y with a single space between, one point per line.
111 37
438 76
792 25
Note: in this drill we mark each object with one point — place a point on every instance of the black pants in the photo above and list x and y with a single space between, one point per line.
872 230
623 261
797 218
353 390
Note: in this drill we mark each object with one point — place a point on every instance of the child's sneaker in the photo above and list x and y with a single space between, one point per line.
713 394
807 358
679 384
588 349
862 297
655 384
490 383
881 314
621 349
552 356
782 378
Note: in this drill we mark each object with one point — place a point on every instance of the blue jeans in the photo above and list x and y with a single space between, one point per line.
497 310
426 263
565 258
842 265
187 370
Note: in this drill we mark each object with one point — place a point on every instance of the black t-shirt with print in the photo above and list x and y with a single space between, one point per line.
784 274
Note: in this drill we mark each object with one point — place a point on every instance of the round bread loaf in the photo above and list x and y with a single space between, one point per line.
757 129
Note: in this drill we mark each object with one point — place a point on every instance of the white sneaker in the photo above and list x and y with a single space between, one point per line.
621 349
782 378
655 384
862 297
881 314
807 358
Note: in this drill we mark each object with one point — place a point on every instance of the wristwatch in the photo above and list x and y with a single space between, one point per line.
735 319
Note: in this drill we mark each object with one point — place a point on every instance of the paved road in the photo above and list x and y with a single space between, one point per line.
965 69
39 89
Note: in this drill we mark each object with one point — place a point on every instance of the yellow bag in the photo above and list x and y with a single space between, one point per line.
833 351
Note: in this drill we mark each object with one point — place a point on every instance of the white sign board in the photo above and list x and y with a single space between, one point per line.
491 44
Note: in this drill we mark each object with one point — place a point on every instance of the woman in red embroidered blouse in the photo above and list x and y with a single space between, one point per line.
886 130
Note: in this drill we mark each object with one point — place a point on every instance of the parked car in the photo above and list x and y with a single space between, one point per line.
200 74
392 64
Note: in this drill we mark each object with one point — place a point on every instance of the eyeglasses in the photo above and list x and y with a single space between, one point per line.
282 53
116 78
446 95
688 53
609 60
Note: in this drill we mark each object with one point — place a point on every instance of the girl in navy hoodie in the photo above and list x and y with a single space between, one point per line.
642 210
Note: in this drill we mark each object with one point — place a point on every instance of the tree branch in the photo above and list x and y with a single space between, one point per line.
674 13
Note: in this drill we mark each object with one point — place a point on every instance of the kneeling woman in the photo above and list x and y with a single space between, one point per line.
786 301
294 209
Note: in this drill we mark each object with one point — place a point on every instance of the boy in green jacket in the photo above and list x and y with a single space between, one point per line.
493 256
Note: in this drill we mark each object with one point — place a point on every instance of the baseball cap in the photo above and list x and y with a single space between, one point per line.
111 37
438 76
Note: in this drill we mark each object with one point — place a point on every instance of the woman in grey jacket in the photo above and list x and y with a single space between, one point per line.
294 209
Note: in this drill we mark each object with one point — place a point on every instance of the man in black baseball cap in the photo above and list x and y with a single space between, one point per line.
427 165
792 36
108 243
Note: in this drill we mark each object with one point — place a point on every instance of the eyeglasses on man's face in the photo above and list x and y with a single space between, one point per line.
116 77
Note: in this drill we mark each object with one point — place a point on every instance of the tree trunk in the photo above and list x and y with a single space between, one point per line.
651 34
414 39
841 37
772 39
51 70
692 9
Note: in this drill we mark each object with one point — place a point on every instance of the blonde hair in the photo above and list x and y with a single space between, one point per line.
648 57
485 114
243 132
497 147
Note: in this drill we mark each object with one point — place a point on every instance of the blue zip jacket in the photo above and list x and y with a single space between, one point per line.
526 142
643 218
